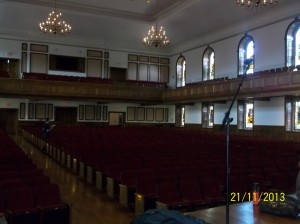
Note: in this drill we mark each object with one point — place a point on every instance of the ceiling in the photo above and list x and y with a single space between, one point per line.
122 24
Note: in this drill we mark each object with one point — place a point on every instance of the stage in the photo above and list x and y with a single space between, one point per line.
241 213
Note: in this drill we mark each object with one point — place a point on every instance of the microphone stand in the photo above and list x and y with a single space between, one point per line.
226 122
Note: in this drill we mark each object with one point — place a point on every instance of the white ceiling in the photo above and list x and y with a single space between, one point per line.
122 24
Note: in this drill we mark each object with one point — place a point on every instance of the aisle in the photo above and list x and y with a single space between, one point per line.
89 206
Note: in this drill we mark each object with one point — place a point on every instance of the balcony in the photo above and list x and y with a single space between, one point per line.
254 86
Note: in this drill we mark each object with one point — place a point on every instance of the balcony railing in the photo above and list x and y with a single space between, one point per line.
256 86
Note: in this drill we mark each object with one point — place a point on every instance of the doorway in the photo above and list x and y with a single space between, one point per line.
9 121
66 115
116 118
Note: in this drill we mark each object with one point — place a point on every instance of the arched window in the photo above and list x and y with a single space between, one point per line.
180 70
293 43
246 55
208 64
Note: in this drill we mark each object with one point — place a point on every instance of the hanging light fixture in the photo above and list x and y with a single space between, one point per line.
54 24
256 3
156 37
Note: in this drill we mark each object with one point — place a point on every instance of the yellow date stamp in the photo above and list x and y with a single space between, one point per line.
237 197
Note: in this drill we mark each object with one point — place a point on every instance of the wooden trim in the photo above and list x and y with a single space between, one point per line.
104 113
24 46
141 114
94 54
80 112
149 114
143 58
159 114
22 110
132 57
24 62
50 112
30 111
154 59
40 111
98 112
89 112
164 61
166 114
39 48
131 113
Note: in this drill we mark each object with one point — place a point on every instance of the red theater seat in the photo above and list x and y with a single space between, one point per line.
20 206
52 209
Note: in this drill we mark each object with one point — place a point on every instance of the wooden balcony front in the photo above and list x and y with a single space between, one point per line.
41 89
254 86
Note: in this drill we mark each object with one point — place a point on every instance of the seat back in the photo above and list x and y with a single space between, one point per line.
48 194
19 198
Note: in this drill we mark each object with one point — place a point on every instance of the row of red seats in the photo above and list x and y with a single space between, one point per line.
97 80
146 83
40 205
65 78
115 151
26 194
263 72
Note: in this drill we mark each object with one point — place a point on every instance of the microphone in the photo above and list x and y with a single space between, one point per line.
247 63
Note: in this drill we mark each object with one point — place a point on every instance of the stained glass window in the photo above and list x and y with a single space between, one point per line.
180 70
293 44
245 114
246 51
208 64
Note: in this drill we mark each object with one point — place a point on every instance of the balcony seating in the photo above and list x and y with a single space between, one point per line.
65 78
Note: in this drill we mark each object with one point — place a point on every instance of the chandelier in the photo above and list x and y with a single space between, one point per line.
54 24
156 37
256 3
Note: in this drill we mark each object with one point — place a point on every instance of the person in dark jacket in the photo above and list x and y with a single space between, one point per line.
47 128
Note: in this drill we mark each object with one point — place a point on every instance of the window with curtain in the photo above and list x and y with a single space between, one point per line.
208 64
246 55
180 71
293 43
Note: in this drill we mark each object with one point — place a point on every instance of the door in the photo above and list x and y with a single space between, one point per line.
116 118
9 121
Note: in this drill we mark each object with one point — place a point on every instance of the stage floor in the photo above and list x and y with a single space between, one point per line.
241 213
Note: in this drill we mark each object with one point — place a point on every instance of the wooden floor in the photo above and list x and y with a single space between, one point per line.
241 213
88 204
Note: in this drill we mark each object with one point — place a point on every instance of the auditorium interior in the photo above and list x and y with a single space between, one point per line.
190 124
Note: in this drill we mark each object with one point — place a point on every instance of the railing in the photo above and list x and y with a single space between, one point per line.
256 86
76 90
